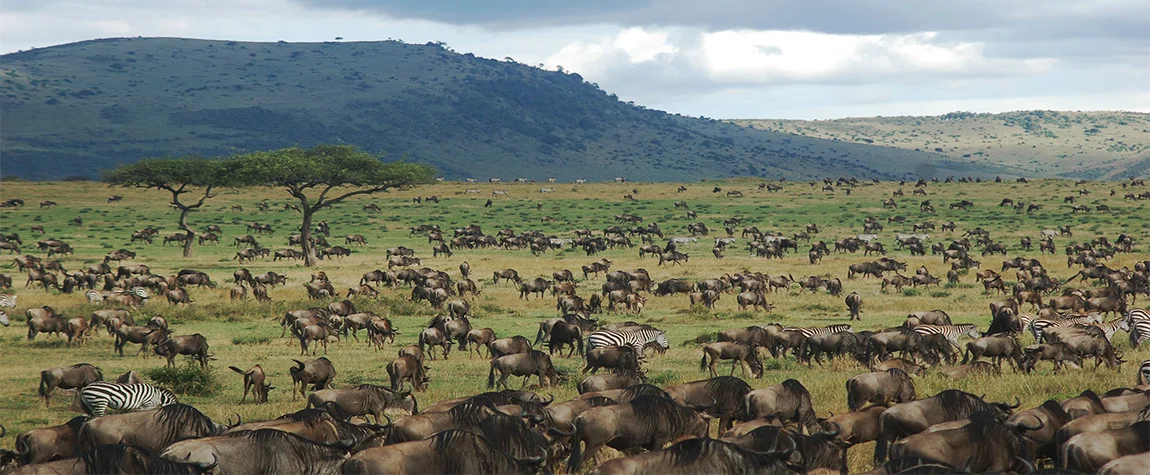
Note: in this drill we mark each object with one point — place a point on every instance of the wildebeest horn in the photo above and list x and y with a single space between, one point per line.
1017 402
239 420
298 362
551 399
1037 426
3 431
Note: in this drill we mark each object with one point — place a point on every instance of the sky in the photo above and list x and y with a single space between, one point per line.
789 59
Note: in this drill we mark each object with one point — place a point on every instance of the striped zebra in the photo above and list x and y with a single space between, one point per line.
1110 328
1139 332
8 300
98 397
951 332
809 332
1137 314
1144 373
636 339
1040 325
4 318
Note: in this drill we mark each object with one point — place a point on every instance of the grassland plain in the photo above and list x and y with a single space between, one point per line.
247 333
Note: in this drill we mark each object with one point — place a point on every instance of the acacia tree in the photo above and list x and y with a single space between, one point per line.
323 176
192 176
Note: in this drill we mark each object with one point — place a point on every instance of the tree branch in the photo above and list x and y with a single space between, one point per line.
349 194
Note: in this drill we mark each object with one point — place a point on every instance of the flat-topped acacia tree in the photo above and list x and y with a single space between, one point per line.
322 176
192 176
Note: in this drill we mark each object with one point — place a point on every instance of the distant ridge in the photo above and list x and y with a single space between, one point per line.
74 109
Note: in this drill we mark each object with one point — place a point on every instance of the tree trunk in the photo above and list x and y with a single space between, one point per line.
309 258
190 234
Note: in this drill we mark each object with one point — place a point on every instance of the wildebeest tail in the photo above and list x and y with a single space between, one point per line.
574 461
880 448
240 371
703 361
43 391
852 395
491 375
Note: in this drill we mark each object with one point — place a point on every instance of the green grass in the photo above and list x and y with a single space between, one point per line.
248 333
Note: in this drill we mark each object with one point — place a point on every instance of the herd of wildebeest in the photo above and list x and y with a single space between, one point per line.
384 429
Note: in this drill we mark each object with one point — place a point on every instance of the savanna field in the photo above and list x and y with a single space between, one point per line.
246 333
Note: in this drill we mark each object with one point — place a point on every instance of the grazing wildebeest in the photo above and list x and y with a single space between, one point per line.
363 400
915 416
533 362
260 451
738 353
151 431
410 368
318 372
645 421
448 451
883 387
997 347
620 358
254 381
67 377
723 396
788 400
195 345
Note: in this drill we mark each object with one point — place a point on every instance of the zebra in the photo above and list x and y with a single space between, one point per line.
1041 324
94 296
1139 332
98 397
8 300
1133 316
4 318
1110 328
1144 373
636 339
952 332
809 332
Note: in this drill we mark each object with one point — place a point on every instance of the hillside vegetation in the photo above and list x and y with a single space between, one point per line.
1095 145
77 108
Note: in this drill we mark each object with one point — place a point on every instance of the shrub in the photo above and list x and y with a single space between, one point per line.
251 340
189 380
702 338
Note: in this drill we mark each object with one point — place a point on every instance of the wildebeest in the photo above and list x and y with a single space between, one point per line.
984 444
884 387
788 400
915 416
723 396
694 456
613 380
565 334
136 334
254 381
738 353
621 358
364 400
533 362
646 421
433 337
50 443
260 451
410 368
194 345
318 372
319 332
67 377
1088 452
997 347
447 452
151 431
508 346
854 305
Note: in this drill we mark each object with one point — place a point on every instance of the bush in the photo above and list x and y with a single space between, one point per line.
189 380
702 338
251 340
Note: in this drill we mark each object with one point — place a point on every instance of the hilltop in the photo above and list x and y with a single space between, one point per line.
72 110
1096 145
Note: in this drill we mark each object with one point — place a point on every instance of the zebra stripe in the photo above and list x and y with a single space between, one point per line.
1110 328
1139 332
98 397
809 332
94 296
1144 373
637 339
1138 314
8 300
1042 324
951 332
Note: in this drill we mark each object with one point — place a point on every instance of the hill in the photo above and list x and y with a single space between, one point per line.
1096 145
78 108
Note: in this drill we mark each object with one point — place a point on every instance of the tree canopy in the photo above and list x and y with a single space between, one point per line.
177 176
322 176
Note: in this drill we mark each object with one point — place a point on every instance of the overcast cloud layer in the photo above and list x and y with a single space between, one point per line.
720 58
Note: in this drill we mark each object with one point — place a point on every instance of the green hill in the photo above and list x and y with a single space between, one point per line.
1095 145
74 109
